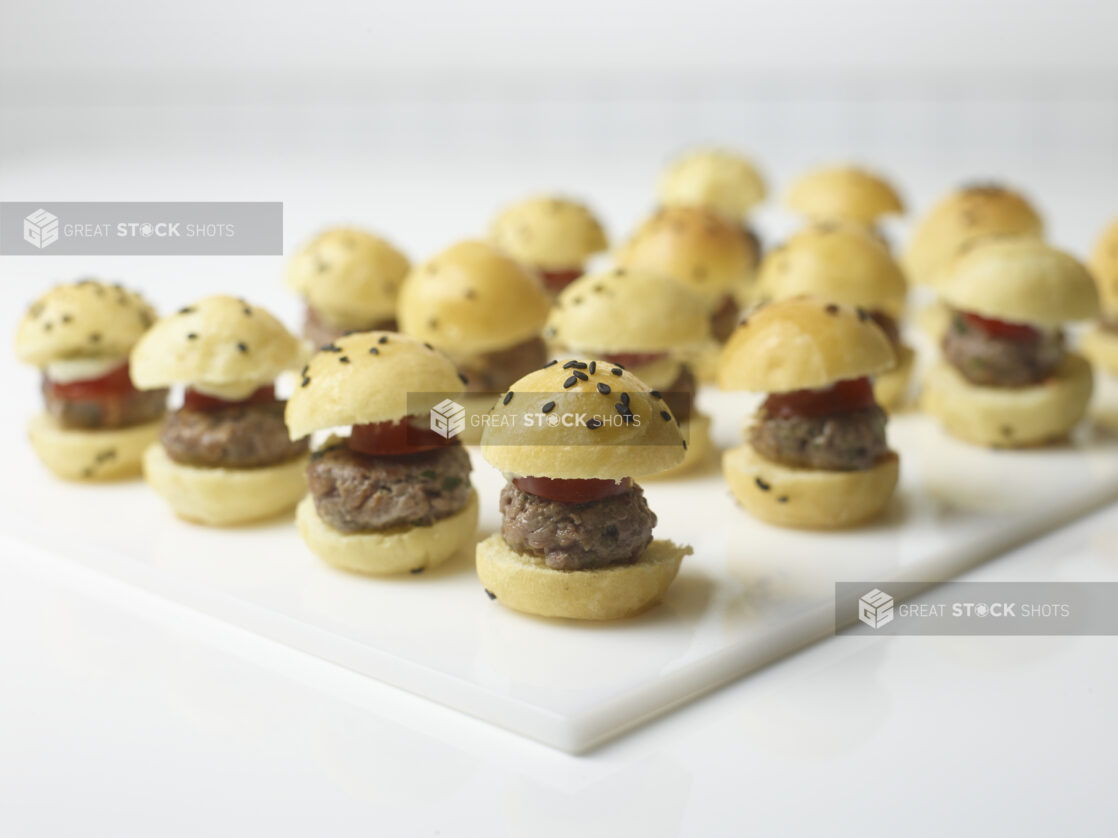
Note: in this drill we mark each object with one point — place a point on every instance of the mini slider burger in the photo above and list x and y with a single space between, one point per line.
349 280
554 237
393 495
223 458
96 424
1100 344
645 323
844 263
1006 379
481 308
844 193
717 180
816 456
576 531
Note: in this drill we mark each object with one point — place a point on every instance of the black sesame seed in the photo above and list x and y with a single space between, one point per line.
862 315
344 359
570 382
684 445
508 398
242 346
303 371
574 365
306 381
761 484
593 367
192 336
667 417
416 570
625 398
655 394
490 594
593 423
603 388
831 308
429 346
548 407
95 337
382 339
433 323
373 350
66 318
580 375
1006 430
247 311
616 371
549 364
462 378
782 499
186 310
330 347
620 366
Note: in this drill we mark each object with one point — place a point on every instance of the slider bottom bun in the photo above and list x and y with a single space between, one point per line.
221 497
75 454
808 498
891 389
396 550
525 583
1009 417
1101 348
696 431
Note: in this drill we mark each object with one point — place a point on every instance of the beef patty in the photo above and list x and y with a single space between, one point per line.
355 492
119 411
1000 362
238 436
839 442
724 320
577 536
320 333
680 395
494 372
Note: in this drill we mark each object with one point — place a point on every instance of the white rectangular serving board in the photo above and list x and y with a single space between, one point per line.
750 593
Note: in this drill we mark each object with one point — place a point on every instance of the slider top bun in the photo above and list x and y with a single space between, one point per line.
470 299
1104 267
626 310
962 217
369 377
85 319
803 344
1020 279
844 192
714 179
693 246
220 341
541 430
349 275
548 232
842 263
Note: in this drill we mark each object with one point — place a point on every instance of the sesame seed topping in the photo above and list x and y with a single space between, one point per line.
490 594
593 367
508 398
247 311
574 365
95 337
616 371
603 388
761 484
831 308
344 359
625 398
593 423
862 315
462 378
330 347
429 346
549 364
416 570
548 407
303 371
192 336
373 350
580 375
570 382
655 394
306 381
433 323
667 417
684 445
782 499
382 339
242 347
186 310
66 318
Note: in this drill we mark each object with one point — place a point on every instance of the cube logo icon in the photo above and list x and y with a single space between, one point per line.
875 609
448 418
40 229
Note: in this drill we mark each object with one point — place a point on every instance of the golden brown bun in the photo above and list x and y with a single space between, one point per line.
891 389
963 216
709 255
844 193
803 344
527 584
90 455
85 319
721 181
548 232
808 498
398 550
349 276
1009 417
218 340
1104 267
369 377
568 448
696 431
836 262
222 497
627 311
1020 279
470 299
659 374
1101 347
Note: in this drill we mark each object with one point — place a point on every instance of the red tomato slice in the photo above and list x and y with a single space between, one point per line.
634 359
116 382
558 280
193 400
572 491
842 397
379 438
1000 328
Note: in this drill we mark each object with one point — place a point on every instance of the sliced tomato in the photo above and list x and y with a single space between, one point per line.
116 382
193 400
573 490
634 359
558 280
380 438
1000 328
842 397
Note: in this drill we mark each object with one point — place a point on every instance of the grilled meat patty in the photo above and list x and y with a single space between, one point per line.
847 441
1001 362
724 320
680 395
121 411
355 492
248 436
494 372
319 332
577 536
